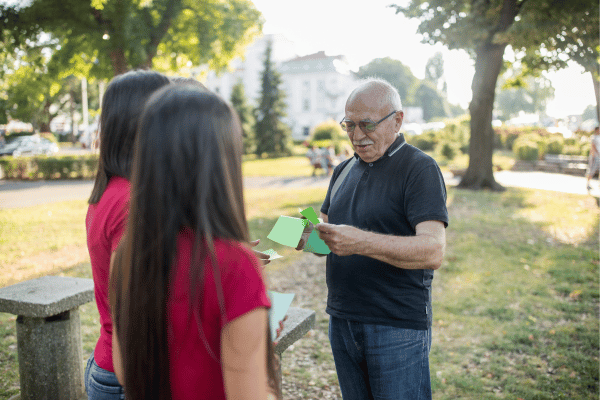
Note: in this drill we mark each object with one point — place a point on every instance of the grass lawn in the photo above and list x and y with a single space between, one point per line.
515 302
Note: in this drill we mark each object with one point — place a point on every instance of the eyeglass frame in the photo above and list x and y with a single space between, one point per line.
365 122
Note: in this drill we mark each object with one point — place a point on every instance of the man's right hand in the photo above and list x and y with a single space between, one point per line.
305 234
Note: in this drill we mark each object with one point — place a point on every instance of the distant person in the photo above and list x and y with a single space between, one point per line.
385 226
332 159
188 297
106 218
315 157
345 154
594 159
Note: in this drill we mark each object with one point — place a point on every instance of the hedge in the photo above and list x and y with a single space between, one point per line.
50 167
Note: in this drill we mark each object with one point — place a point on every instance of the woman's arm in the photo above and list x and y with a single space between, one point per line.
116 349
244 356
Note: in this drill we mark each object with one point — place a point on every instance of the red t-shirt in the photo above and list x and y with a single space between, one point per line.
105 223
193 371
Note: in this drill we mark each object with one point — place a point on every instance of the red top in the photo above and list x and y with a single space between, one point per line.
193 370
105 223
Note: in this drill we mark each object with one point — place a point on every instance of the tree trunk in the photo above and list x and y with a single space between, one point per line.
480 172
119 62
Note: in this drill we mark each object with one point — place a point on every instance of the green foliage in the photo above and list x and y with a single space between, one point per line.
106 37
447 150
328 130
393 71
425 141
50 167
555 145
338 145
273 136
527 94
50 136
543 34
526 150
239 102
429 98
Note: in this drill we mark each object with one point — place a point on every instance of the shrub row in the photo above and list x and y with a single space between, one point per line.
50 167
530 147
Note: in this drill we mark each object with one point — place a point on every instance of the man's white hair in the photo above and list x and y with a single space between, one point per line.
390 93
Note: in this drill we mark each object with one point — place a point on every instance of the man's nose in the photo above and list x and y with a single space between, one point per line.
358 134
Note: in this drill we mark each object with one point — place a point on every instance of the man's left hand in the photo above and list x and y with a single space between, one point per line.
342 240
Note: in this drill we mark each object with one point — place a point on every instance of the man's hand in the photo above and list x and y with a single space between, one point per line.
264 258
342 240
305 234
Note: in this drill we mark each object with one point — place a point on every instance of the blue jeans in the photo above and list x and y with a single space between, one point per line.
379 362
101 384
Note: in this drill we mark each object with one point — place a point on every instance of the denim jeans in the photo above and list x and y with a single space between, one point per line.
101 384
379 362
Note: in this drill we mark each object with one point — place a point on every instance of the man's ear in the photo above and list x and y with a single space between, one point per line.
399 118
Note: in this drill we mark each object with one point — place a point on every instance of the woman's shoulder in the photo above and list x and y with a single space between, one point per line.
234 251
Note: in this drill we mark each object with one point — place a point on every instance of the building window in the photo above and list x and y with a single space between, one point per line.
321 93
306 130
306 96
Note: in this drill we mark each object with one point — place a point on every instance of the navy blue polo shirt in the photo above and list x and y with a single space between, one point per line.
389 196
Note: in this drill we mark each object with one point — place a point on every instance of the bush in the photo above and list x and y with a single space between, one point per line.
53 167
447 150
425 141
526 150
571 150
555 145
328 130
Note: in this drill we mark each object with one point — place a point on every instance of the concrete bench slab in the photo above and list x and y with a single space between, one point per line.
46 296
299 322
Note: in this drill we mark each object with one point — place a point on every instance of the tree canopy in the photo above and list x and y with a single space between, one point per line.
543 33
522 93
113 36
272 135
395 72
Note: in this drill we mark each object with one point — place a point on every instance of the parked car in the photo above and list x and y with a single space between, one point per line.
33 145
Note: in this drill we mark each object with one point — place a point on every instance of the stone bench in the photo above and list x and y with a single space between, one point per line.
575 165
49 338
48 335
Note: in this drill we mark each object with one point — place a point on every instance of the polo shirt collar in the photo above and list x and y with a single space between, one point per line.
394 147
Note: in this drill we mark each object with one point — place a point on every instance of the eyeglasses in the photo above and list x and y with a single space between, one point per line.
367 126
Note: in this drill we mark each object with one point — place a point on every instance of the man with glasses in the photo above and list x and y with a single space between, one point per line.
385 226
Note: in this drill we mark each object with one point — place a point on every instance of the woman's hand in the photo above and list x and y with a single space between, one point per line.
264 258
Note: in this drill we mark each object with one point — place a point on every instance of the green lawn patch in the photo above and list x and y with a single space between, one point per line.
515 301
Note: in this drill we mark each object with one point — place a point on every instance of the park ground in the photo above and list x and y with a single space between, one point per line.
516 302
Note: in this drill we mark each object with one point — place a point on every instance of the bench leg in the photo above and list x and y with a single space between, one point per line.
50 357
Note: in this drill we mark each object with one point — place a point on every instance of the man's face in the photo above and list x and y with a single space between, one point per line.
367 107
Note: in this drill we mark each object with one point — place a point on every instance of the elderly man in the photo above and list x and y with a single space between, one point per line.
384 222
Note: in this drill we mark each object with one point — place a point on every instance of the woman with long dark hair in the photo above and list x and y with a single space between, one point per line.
122 105
188 299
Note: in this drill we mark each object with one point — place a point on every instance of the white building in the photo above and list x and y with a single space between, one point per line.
249 69
316 85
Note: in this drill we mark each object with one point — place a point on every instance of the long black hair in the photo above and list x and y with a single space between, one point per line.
186 174
122 105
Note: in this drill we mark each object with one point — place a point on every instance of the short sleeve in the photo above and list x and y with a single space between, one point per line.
118 223
425 196
243 285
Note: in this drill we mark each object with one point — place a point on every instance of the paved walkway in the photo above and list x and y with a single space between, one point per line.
17 194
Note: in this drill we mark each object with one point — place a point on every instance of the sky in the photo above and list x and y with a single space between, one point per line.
363 31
